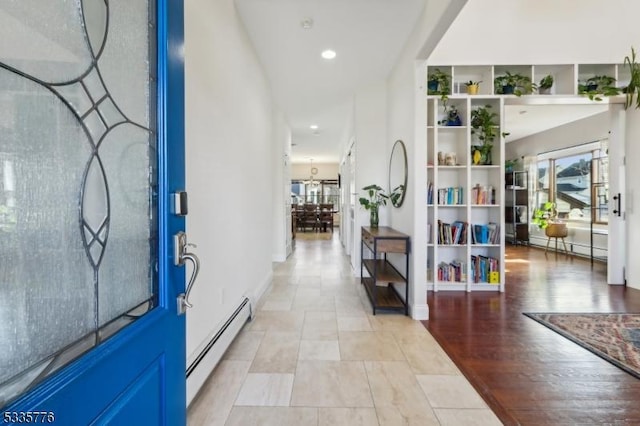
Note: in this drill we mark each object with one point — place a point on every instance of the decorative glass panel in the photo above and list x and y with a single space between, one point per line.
77 176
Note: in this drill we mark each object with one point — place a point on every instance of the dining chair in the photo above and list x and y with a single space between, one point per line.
310 217
326 219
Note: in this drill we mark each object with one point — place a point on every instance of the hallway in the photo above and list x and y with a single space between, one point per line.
314 355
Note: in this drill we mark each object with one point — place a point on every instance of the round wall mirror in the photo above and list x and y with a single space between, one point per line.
398 174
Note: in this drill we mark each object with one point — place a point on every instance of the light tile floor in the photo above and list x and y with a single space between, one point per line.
315 355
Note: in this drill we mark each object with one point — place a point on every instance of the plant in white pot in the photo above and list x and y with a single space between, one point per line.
377 197
545 85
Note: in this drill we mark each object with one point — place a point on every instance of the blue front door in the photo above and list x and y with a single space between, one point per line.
91 149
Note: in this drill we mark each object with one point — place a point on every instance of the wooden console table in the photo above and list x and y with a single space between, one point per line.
382 274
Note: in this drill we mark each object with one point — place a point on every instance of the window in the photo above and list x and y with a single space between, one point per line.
576 180
316 192
573 186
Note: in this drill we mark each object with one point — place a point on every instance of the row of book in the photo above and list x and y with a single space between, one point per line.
454 195
486 234
458 231
455 271
485 269
483 194
445 196
452 233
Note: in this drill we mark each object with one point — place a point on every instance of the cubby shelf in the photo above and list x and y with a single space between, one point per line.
565 77
470 183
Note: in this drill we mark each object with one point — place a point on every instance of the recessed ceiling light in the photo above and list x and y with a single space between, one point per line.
306 23
313 126
329 54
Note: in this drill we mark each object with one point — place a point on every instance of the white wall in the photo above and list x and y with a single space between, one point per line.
229 172
631 199
406 118
281 194
578 132
325 171
371 167
540 32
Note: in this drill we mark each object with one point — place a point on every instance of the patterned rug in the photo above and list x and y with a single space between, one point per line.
614 337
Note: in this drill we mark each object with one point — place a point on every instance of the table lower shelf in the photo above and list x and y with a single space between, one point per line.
383 298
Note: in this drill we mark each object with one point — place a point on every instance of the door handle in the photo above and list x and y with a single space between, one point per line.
181 255
618 209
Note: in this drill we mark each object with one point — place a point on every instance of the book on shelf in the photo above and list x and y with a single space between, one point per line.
454 271
483 194
452 233
485 234
430 193
451 196
485 269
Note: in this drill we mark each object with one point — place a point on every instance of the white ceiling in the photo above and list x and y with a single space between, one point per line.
367 35
525 120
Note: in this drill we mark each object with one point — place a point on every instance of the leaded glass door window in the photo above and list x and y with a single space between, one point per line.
78 180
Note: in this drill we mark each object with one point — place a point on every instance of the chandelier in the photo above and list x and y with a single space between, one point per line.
313 171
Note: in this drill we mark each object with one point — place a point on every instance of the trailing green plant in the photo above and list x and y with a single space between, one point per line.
546 82
451 116
633 88
443 81
522 85
597 86
545 214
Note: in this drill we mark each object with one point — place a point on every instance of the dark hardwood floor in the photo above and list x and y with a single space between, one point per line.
528 374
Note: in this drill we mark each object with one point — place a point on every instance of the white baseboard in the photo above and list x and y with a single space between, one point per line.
208 357
259 291
419 312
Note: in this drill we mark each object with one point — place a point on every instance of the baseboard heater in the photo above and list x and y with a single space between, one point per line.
202 366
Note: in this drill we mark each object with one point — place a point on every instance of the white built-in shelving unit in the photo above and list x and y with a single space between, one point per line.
469 195
456 142
449 263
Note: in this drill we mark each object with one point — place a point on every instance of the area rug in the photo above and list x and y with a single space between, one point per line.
614 337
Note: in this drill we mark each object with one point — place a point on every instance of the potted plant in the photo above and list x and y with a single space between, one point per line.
438 83
597 86
633 88
513 83
510 165
544 215
472 87
450 115
376 198
546 218
453 118
544 87
485 127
